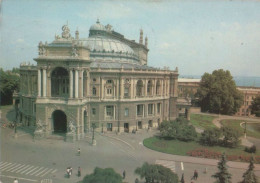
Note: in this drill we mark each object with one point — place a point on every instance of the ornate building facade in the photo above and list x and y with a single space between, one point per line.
103 79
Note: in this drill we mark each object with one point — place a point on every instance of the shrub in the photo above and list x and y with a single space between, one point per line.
251 149
179 129
230 137
210 137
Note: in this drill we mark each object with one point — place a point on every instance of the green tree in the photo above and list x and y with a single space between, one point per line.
210 137
178 129
255 107
231 137
222 176
107 175
156 173
218 94
9 82
249 175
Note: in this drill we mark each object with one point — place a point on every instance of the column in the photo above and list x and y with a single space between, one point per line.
76 83
81 93
131 89
44 82
114 112
71 84
39 82
145 87
121 88
154 88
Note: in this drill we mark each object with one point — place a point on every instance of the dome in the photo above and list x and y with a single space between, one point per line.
105 44
97 27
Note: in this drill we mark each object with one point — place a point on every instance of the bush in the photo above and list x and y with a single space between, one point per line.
251 149
210 137
179 129
230 137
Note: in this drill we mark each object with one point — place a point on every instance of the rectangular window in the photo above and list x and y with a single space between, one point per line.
158 108
94 91
93 111
126 112
126 92
140 109
109 91
150 109
110 111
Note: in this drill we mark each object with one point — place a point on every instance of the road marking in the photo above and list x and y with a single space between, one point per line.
37 171
5 165
46 172
23 168
9 166
41 172
17 168
166 163
54 171
12 168
182 167
19 178
31 170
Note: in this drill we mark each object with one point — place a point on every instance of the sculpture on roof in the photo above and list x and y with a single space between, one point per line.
65 32
41 49
75 52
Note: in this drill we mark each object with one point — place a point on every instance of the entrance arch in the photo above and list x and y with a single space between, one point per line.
59 120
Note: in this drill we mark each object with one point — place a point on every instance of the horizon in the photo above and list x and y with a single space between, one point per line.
179 34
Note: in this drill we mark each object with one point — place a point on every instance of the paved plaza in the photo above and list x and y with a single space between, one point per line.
32 160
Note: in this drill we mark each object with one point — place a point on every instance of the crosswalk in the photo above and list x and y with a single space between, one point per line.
24 169
166 163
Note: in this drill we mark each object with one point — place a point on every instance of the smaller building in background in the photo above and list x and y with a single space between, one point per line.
249 93
188 87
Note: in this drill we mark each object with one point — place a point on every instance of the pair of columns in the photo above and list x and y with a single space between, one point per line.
74 83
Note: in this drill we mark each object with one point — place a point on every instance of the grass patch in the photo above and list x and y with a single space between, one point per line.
235 124
181 148
202 121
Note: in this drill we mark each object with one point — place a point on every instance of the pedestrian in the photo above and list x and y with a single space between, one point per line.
124 174
136 180
195 175
79 151
15 180
68 172
79 171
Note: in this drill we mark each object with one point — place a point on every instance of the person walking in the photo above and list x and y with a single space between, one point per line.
195 175
124 174
78 151
79 171
68 172
15 180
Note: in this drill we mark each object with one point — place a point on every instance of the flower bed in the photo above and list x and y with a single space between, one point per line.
205 153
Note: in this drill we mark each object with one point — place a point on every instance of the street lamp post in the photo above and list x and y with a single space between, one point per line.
93 134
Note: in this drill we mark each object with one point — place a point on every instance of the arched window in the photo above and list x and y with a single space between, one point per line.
139 88
149 87
59 82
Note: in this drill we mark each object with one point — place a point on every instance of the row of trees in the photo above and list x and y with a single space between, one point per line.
156 173
9 82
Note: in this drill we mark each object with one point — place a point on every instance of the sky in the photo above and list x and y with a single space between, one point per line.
195 36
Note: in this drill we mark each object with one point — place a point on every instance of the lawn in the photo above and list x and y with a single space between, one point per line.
235 124
181 148
202 121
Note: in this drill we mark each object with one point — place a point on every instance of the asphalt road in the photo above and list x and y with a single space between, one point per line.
33 160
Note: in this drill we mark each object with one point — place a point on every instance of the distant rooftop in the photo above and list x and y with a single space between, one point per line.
182 80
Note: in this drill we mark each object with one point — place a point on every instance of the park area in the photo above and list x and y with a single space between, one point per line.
196 149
